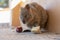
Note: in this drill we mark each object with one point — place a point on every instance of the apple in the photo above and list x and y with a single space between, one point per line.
19 29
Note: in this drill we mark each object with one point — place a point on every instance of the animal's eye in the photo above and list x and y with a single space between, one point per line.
25 16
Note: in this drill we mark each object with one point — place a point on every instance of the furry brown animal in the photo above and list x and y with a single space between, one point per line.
34 15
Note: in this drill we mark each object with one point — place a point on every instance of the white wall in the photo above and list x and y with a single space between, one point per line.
6 16
13 3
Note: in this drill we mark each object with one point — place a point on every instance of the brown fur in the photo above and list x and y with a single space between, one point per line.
36 15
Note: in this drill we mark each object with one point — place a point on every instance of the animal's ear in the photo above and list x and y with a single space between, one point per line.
27 6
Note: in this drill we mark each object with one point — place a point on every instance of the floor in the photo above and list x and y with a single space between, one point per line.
11 34
7 33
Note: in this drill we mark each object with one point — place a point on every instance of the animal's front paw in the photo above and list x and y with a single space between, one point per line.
36 30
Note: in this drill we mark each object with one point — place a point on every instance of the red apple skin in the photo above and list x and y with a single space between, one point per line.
19 29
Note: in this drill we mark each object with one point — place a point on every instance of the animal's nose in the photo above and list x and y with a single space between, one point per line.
23 21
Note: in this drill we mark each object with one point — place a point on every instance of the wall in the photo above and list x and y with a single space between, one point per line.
5 16
13 3
54 17
16 14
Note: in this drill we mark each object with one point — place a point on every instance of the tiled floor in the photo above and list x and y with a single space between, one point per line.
9 34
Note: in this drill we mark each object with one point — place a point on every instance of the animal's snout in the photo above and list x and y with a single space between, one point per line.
24 21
